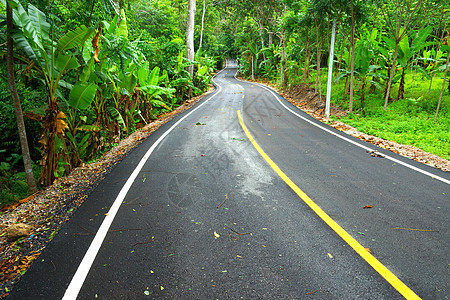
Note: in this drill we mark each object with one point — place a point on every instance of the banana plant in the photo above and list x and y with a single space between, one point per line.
153 93
181 79
268 67
432 61
52 58
115 72
79 132
251 55
365 71
407 51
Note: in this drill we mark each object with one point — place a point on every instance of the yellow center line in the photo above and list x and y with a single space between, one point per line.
369 258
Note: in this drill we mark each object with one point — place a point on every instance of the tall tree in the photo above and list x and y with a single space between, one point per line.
446 69
401 16
352 63
190 54
319 11
203 22
17 107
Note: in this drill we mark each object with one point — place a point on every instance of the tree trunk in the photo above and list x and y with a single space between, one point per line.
388 75
352 63
306 68
49 161
262 39
443 86
363 95
117 11
283 61
431 83
401 88
203 22
190 54
345 89
391 75
319 69
317 56
336 70
373 87
17 107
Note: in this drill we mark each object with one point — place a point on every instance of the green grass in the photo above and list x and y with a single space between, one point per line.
418 130
408 121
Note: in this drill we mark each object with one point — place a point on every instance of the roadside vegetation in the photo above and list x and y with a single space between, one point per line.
89 73
389 64
408 121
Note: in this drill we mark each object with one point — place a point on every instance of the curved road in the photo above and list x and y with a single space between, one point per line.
197 212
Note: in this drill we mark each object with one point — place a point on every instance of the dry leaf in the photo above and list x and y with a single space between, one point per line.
368 206
61 125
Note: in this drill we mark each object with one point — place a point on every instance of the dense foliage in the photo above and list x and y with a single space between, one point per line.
390 60
88 74
91 72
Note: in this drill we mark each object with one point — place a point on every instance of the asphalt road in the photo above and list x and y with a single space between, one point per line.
207 217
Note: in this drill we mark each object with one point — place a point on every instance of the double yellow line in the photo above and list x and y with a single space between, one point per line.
369 258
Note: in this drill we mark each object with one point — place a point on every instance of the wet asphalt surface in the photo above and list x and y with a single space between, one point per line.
207 217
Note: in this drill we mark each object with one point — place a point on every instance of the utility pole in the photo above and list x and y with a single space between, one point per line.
330 69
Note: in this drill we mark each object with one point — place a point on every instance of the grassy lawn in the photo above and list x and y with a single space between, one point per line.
408 121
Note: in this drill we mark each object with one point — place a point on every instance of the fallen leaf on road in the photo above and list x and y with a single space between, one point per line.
368 250
147 293
216 235
226 197
161 287
329 255
361 233
311 292
368 206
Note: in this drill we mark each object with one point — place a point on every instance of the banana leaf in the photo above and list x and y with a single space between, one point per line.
82 95
115 114
74 38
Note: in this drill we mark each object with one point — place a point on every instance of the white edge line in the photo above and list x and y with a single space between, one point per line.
347 139
83 269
